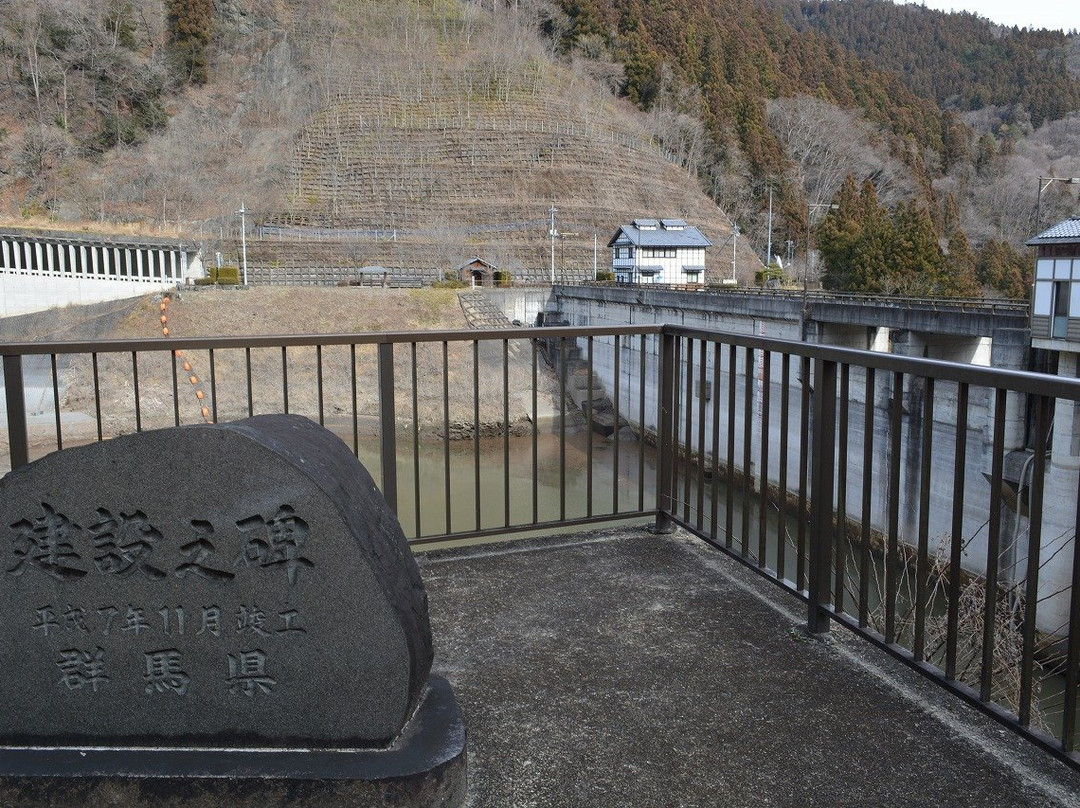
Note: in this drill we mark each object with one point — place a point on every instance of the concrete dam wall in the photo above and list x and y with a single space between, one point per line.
984 336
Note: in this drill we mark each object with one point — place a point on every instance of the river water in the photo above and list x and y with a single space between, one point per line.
450 471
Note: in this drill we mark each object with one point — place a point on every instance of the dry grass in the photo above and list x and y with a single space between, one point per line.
289 311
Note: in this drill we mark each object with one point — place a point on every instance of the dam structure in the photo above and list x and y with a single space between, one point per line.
992 334
43 269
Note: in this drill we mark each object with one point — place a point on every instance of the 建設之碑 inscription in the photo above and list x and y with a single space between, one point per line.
128 544
207 582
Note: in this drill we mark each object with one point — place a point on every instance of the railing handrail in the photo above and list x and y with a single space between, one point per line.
819 296
1019 380
312 340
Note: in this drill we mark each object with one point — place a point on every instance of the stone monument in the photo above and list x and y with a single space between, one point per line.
232 605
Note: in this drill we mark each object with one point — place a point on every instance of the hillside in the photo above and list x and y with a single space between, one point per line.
960 60
796 96
419 135
448 128
463 152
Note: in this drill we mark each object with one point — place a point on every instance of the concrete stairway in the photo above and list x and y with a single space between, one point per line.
481 313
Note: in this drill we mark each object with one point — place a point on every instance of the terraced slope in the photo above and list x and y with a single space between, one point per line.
428 152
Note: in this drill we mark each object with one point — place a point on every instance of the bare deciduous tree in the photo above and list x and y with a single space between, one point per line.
825 143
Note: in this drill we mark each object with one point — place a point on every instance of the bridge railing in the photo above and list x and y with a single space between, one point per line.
952 304
929 507
484 438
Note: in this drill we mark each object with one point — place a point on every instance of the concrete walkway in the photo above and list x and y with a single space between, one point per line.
625 669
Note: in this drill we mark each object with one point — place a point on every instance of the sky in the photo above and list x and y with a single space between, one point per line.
1058 14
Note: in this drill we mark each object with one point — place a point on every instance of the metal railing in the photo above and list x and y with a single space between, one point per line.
480 411
876 488
904 498
953 304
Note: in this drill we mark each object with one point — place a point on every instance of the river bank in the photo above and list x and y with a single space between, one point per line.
303 380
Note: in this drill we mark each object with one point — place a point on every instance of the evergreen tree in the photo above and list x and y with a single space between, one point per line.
867 249
1003 270
961 266
870 271
917 264
838 236
190 26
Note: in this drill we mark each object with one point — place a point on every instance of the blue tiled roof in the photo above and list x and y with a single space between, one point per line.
1061 233
688 236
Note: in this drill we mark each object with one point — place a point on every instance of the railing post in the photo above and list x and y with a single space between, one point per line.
387 425
16 411
666 445
822 484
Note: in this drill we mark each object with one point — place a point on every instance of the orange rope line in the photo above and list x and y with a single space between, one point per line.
204 411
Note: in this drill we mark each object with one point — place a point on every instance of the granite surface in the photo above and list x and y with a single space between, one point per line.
231 585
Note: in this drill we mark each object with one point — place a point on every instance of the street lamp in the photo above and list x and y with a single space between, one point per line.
810 208
243 240
1044 183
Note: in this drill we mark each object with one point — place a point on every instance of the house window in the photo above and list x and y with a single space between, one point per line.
1059 328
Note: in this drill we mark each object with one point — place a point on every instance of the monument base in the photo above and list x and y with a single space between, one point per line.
424 767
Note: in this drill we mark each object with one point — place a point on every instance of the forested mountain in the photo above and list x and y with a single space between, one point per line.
794 96
723 60
378 114
959 59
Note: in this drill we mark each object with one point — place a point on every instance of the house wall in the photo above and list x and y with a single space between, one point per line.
628 270
1055 308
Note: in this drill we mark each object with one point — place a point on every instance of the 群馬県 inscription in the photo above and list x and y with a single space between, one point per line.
209 582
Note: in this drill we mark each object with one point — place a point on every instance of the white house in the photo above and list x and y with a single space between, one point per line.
664 251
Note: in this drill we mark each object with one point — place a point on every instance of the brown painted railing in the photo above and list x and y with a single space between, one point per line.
929 507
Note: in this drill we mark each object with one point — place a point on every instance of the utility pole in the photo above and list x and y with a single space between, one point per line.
734 241
553 232
243 240
594 255
1044 183
768 249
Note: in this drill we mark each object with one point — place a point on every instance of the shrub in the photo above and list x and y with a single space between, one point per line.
228 275
450 281
770 278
